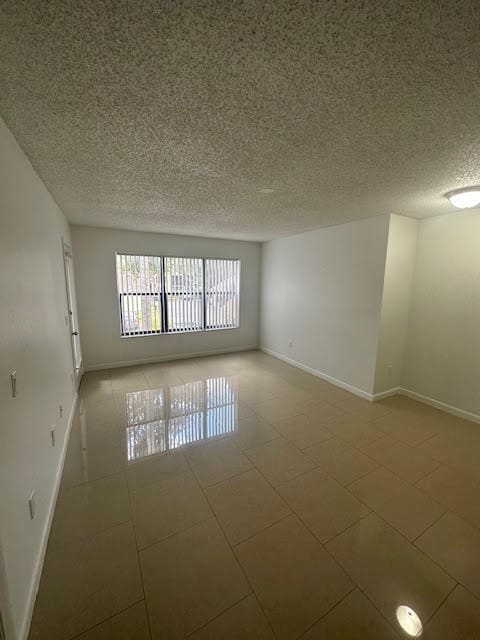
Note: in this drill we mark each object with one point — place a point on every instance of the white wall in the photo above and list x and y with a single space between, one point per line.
443 351
94 258
397 291
322 290
34 341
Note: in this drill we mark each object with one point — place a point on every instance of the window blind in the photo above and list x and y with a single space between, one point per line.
139 283
222 285
162 294
184 294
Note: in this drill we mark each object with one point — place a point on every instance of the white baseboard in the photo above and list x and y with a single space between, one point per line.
183 356
319 374
448 408
25 628
375 397
394 391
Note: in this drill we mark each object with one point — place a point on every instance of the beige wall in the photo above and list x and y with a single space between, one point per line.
34 342
397 292
442 358
321 299
94 258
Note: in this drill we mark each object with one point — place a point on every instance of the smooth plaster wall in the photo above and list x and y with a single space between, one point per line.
35 342
397 292
322 291
94 259
442 358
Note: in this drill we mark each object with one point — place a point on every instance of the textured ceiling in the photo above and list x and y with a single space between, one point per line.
173 116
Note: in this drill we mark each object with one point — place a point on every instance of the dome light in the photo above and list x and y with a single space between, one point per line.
464 198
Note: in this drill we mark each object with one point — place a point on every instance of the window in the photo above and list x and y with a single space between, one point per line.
139 282
172 294
221 293
184 294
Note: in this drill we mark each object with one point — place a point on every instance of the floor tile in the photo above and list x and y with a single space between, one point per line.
407 462
339 460
455 491
131 624
190 579
246 504
258 422
86 582
457 619
354 430
294 578
320 409
90 508
407 427
86 464
168 507
354 618
333 395
279 460
302 430
322 503
454 545
361 407
276 409
253 431
244 621
402 505
212 463
390 570
255 395
143 472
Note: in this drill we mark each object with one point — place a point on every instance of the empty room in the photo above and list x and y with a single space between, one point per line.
240 320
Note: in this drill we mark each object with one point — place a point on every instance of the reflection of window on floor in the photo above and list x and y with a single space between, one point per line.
162 419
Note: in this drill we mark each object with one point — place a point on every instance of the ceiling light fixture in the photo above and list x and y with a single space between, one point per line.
464 198
267 190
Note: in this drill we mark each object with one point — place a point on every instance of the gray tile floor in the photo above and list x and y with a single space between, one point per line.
236 497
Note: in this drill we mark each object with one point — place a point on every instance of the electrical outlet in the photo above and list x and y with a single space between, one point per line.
60 410
290 344
52 435
31 505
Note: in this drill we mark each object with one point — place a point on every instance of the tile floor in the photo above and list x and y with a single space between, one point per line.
236 497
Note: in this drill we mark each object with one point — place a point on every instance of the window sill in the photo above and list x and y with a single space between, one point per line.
178 333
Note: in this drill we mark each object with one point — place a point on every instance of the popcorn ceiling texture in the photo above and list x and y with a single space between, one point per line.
172 116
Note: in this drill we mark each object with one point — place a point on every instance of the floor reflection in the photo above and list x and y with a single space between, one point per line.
159 420
409 621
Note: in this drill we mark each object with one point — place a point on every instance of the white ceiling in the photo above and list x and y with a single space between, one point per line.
171 116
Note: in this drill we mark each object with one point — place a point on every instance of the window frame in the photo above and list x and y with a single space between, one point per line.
163 296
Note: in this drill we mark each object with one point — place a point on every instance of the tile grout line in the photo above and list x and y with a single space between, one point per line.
239 565
98 624
347 487
321 544
329 610
140 568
